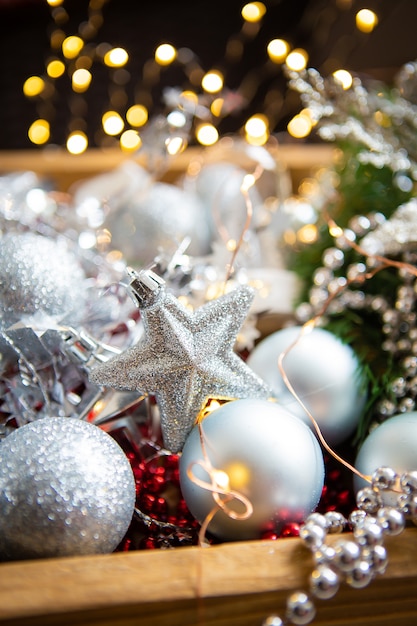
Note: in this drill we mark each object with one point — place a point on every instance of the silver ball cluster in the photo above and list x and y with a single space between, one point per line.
336 292
354 559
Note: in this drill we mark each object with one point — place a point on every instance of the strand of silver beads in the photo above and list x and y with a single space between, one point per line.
362 556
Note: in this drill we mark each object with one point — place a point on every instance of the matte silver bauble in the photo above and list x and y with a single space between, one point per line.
66 488
324 373
392 444
260 451
158 218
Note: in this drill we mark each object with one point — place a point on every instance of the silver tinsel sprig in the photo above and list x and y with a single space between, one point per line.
380 120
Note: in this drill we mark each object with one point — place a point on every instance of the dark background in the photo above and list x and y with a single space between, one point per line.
325 28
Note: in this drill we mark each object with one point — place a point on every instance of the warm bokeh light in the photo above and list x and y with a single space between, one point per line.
113 123
177 119
297 59
175 145
116 57
278 50
165 54
55 3
77 142
212 82
55 68
81 80
39 132
307 233
72 46
33 86
344 78
137 115
257 130
216 107
366 20
130 141
253 11
190 96
300 126
207 134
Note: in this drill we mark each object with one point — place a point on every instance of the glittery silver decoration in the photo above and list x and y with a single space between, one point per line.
38 275
396 234
185 357
268 455
66 488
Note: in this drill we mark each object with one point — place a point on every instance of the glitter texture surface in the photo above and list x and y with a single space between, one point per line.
185 357
395 234
66 488
38 274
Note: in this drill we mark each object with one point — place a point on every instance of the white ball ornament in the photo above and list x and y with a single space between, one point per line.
263 453
391 444
324 373
66 488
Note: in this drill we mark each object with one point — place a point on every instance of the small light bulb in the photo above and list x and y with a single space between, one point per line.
344 78
253 11
55 68
137 115
112 122
39 132
278 50
77 142
72 46
366 20
130 141
116 57
33 86
212 82
165 54
81 80
297 60
207 134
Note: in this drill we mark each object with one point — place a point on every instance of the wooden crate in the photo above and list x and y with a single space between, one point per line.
235 584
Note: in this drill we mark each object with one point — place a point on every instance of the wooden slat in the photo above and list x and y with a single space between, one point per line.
235 583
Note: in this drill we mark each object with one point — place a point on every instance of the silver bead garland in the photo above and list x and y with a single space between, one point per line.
357 559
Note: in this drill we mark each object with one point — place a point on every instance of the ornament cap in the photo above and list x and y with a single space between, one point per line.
145 287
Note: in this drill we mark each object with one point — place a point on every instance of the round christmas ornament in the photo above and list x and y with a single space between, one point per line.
38 275
266 464
66 488
159 217
391 444
324 373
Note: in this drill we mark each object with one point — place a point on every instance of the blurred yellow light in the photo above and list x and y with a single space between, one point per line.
382 119
54 3
165 54
190 95
77 142
297 60
207 134
130 141
366 20
116 57
112 122
307 233
55 68
33 86
278 50
212 82
239 475
300 126
175 145
253 11
39 132
72 46
216 106
344 77
81 80
137 115
259 140
256 126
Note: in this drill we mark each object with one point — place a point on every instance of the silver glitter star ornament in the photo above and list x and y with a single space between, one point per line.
184 357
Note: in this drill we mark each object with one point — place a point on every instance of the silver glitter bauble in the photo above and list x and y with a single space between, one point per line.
323 372
391 444
66 488
159 218
38 275
266 454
